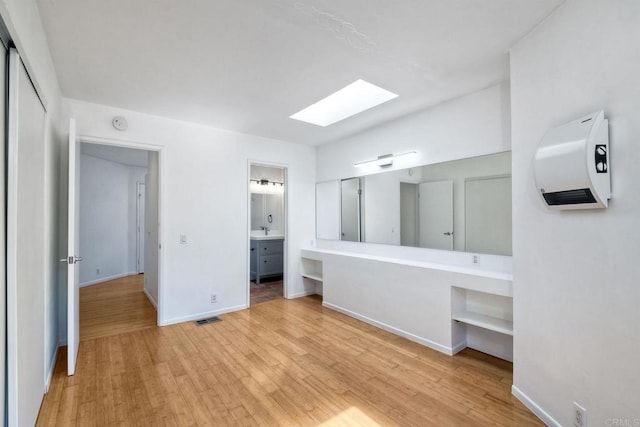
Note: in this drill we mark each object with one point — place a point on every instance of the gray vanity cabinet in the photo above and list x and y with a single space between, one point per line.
266 258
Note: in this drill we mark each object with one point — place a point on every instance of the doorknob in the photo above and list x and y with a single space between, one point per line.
71 259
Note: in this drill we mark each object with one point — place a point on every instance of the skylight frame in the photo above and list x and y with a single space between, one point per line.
349 101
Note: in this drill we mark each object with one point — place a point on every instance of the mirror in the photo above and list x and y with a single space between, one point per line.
461 205
267 210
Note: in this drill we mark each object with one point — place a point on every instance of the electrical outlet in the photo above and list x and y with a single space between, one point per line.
214 298
579 415
475 259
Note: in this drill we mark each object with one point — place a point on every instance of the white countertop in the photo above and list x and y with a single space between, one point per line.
424 264
259 235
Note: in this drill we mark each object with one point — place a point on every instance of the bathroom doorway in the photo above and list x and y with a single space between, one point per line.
267 233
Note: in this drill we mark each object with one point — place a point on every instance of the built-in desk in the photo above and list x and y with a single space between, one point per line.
445 307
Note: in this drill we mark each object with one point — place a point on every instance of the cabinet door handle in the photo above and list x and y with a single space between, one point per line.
253 249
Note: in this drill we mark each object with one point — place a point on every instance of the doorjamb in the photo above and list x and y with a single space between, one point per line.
161 204
285 258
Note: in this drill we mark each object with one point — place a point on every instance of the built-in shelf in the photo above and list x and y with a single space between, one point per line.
487 322
483 321
313 276
312 270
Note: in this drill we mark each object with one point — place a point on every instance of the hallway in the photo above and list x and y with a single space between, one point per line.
115 307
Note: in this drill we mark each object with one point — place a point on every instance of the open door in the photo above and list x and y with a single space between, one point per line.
73 274
436 215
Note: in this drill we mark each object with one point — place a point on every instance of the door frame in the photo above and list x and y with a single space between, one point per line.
285 228
87 139
139 231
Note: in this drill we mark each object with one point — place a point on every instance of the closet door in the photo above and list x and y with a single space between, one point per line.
3 271
25 247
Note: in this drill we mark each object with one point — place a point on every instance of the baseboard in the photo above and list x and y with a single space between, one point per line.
301 294
204 315
52 368
459 347
150 298
534 407
408 335
106 279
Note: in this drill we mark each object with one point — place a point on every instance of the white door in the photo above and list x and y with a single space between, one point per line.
73 258
488 215
140 227
436 215
25 248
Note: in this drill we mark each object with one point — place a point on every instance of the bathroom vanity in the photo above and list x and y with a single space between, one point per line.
266 256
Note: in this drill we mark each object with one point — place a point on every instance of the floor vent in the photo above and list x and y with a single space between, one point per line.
207 321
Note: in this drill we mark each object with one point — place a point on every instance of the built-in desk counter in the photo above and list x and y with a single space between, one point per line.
445 307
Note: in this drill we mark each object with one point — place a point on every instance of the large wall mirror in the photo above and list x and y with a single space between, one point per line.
461 205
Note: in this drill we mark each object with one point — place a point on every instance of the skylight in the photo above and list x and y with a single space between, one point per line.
348 101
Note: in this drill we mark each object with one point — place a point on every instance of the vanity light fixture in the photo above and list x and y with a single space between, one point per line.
346 102
384 160
261 186
267 182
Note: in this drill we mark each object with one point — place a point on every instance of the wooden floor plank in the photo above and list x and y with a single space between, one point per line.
282 362
115 307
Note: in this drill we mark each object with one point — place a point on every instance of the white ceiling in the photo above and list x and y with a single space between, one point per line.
122 155
248 65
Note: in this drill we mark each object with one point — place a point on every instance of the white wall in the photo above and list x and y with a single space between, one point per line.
204 194
24 25
577 322
469 126
107 219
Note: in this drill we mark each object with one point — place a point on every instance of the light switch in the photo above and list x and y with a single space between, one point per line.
183 239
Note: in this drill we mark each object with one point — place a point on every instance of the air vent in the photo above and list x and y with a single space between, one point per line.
207 321
570 197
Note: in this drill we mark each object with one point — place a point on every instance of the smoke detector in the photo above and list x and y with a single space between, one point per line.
120 123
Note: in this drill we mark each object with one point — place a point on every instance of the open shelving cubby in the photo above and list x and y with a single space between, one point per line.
312 270
482 321
481 309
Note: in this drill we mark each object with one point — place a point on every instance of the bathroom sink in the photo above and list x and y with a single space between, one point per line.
273 235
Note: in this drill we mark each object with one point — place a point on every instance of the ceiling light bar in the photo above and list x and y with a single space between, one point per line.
348 101
384 160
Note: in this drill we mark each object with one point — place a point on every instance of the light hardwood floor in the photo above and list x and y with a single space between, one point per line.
115 307
283 362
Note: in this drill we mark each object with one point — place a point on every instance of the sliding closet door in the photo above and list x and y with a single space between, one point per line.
25 247
3 271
